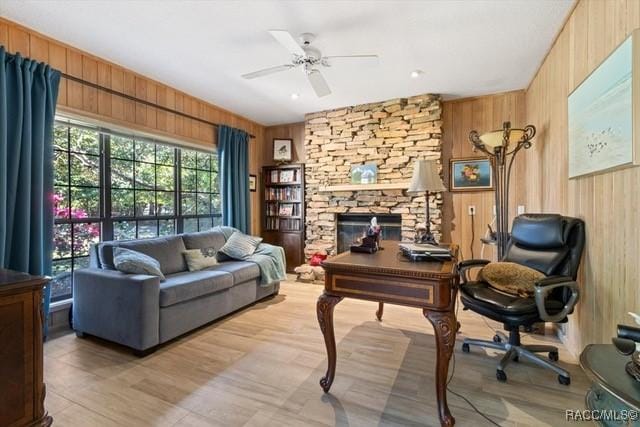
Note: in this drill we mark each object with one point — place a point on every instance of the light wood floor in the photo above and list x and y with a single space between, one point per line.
261 367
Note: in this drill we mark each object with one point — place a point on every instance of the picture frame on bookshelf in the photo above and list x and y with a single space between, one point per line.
253 183
286 210
282 151
287 176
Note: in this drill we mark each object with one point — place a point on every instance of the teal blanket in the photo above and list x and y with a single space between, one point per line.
270 259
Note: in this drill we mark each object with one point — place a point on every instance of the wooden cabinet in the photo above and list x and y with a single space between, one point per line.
22 389
283 210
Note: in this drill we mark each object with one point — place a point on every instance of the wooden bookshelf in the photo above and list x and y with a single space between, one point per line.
283 210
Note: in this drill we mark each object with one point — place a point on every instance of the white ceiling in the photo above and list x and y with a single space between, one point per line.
465 48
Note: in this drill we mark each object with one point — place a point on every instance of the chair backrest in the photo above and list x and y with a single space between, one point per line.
549 243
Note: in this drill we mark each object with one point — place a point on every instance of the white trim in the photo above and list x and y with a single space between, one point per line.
60 305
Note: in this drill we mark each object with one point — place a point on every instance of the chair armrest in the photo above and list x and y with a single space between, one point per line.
465 266
124 308
545 286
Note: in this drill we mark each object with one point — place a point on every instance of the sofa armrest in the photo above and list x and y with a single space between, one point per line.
545 286
119 307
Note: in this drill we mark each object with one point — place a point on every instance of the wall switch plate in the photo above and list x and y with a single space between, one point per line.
472 210
521 209
494 210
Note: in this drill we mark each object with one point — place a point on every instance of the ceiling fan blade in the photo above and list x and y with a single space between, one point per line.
285 38
360 59
318 83
267 71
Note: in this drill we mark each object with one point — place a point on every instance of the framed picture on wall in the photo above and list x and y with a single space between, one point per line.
253 183
471 174
282 151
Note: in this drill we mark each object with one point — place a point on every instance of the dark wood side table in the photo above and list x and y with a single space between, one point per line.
22 389
611 387
387 277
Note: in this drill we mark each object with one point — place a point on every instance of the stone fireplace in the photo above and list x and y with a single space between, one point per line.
391 134
350 228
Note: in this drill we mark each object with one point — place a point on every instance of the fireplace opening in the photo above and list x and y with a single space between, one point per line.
351 227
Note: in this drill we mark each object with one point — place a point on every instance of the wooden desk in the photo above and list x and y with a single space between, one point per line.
388 277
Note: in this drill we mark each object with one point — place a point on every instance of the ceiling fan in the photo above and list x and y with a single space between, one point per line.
307 57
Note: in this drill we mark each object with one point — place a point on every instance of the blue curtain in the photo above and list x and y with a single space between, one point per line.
28 94
233 167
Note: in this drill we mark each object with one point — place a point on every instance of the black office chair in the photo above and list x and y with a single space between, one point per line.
551 244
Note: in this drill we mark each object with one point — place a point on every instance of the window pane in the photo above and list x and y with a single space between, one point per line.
122 203
145 152
215 203
145 203
61 286
165 155
190 225
217 220
84 234
164 178
165 203
61 167
85 202
145 176
188 158
60 137
121 174
215 185
205 223
61 241
61 202
84 141
188 204
121 148
85 170
167 227
204 204
188 180
204 181
124 230
82 262
204 161
147 229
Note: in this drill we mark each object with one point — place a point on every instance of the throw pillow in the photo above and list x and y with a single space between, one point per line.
133 262
511 278
199 259
240 245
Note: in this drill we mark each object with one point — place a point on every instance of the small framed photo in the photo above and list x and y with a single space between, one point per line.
471 174
253 183
364 174
282 150
286 210
287 175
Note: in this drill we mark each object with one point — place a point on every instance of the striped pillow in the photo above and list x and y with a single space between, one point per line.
134 262
240 245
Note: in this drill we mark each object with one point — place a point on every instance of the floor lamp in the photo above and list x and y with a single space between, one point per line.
426 179
501 146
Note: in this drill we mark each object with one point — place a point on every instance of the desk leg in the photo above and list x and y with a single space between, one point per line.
445 326
324 309
379 312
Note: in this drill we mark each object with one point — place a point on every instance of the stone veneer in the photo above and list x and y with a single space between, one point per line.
392 134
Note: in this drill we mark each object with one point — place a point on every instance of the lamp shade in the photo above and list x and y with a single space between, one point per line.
496 138
425 178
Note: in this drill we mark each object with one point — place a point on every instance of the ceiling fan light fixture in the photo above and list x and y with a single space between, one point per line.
294 96
416 73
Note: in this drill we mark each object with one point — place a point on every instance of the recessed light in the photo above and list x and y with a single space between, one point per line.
295 96
416 73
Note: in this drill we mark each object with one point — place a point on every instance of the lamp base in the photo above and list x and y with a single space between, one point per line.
426 238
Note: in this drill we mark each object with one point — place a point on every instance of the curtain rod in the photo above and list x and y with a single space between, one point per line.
141 101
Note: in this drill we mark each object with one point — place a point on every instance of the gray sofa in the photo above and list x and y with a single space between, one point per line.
141 312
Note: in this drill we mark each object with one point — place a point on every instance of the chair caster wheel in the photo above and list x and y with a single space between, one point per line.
496 338
516 358
553 356
501 376
564 380
465 347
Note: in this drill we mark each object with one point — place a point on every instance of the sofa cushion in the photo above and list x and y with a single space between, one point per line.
240 245
205 239
242 271
166 250
134 262
186 286
199 259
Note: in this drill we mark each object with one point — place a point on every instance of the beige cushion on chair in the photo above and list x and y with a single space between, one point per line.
511 278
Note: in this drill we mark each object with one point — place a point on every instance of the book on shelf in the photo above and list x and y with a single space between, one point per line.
283 193
284 176
282 224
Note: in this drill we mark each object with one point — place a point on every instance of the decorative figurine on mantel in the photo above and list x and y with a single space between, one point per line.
370 240
628 343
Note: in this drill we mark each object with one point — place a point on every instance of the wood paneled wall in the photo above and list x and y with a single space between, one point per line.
607 202
460 117
294 131
100 107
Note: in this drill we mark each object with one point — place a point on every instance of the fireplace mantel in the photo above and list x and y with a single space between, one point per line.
364 187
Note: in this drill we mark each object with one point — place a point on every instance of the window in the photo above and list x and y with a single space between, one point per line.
114 187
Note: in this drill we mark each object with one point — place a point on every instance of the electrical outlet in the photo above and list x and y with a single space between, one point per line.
521 209
494 210
472 210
